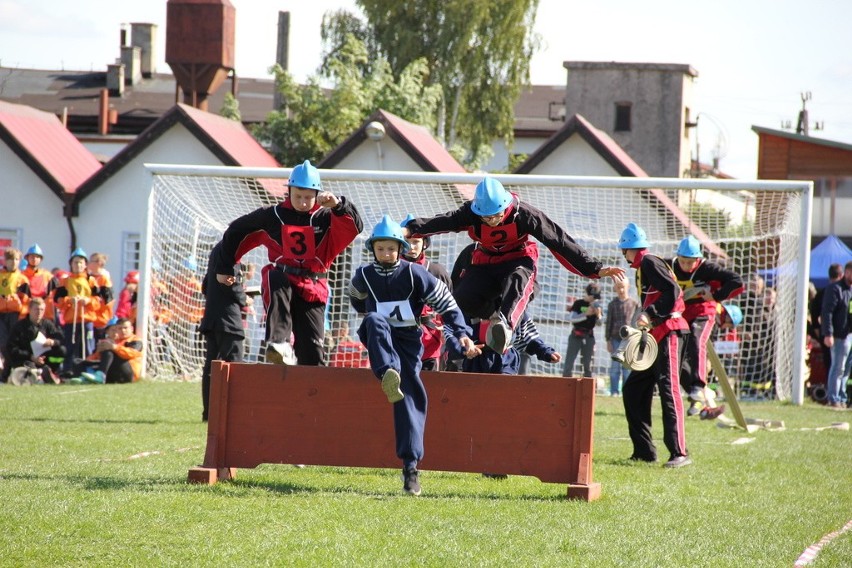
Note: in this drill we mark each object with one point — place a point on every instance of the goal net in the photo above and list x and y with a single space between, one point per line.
758 229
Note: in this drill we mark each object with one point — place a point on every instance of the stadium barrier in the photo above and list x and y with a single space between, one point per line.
517 425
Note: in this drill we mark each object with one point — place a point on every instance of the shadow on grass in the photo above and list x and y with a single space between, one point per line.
101 483
394 488
97 420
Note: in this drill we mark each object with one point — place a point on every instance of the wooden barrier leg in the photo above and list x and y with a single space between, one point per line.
588 492
210 471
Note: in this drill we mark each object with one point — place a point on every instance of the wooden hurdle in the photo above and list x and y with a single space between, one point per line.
518 425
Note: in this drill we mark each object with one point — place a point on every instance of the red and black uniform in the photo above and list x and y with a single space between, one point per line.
308 243
503 265
662 301
431 323
700 314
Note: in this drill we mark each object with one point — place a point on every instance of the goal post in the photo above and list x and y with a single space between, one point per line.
756 228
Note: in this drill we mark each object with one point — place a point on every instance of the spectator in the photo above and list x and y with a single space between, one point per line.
662 305
35 328
753 332
78 299
14 298
119 355
835 273
836 326
103 314
585 315
39 279
126 305
622 310
222 324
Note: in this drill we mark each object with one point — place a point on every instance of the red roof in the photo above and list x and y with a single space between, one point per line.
227 139
605 146
50 150
233 137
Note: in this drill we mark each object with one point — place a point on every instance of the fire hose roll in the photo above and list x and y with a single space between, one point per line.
637 350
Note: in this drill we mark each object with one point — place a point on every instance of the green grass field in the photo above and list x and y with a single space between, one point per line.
96 476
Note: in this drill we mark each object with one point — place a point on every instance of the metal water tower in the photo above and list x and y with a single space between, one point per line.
200 46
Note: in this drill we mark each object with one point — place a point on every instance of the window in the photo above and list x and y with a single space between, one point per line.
130 252
622 116
9 238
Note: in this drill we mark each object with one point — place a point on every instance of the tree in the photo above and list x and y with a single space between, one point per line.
478 51
313 120
231 108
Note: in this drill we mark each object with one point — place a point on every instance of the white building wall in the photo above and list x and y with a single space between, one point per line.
574 157
499 162
119 206
366 156
28 206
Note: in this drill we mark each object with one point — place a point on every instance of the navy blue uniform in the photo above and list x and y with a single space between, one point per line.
392 299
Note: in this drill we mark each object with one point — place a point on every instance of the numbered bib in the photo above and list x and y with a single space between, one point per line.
498 236
298 242
398 313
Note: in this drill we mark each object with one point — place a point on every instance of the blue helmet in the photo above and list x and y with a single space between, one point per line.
426 240
78 252
735 313
633 237
190 263
36 250
387 229
689 247
490 198
305 176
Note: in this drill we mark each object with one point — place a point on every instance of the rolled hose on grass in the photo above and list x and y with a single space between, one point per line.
637 350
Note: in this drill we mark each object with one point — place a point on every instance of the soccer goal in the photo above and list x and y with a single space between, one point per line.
759 229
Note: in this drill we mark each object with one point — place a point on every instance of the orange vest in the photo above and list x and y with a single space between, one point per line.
12 300
39 280
79 286
105 312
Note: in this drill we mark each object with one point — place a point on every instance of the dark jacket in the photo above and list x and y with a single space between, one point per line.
223 304
23 332
835 309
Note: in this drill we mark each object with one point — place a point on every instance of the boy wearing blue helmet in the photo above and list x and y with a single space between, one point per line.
704 284
307 231
503 264
391 292
661 302
41 280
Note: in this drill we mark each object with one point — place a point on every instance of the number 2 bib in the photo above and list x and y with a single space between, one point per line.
298 242
498 236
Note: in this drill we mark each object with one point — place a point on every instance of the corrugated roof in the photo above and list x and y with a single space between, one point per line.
50 150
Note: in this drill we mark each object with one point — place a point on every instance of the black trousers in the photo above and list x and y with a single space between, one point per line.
584 345
116 369
638 394
505 286
694 366
221 346
288 313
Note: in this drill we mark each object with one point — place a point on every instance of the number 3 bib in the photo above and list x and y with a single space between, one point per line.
298 242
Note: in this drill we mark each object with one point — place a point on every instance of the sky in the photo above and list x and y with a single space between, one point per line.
754 58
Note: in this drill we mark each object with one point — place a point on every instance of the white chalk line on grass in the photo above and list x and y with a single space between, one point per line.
811 552
158 452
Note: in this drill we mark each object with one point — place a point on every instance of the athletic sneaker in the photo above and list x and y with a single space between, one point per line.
280 354
697 395
411 481
390 385
499 336
694 408
712 413
678 461
97 377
